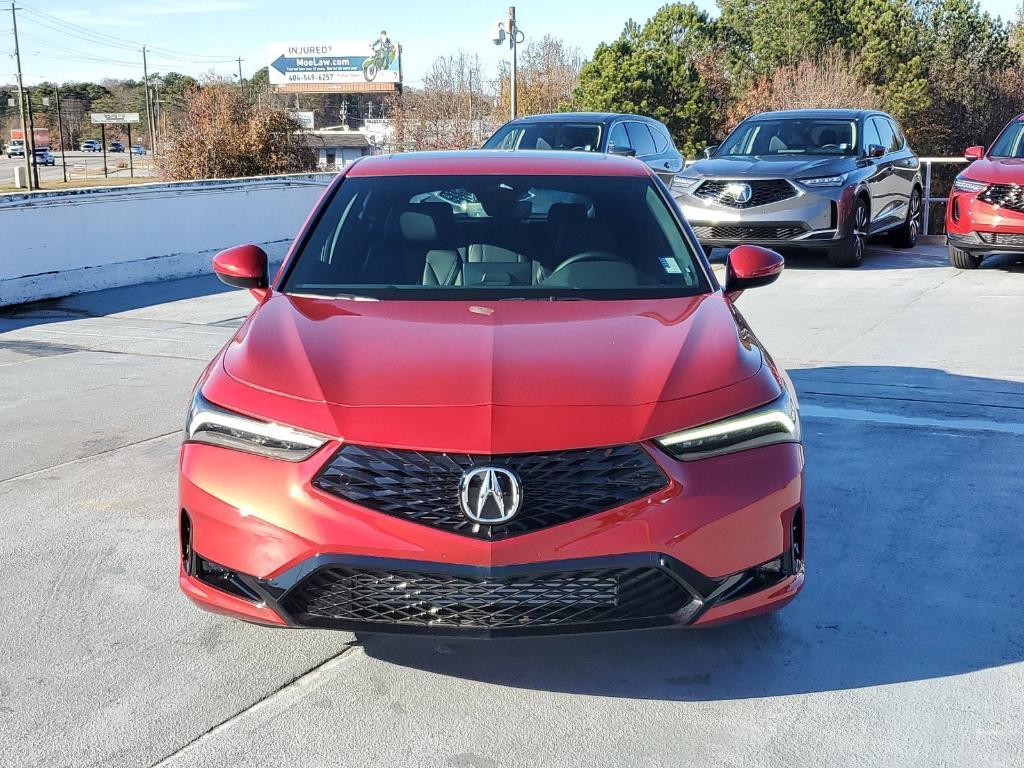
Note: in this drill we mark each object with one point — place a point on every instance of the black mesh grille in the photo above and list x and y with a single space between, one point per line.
739 232
1002 238
556 487
336 595
761 192
1005 195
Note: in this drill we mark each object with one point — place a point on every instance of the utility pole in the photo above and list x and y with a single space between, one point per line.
239 71
60 133
21 101
513 31
149 112
31 140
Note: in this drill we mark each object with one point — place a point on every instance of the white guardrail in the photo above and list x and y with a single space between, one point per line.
928 162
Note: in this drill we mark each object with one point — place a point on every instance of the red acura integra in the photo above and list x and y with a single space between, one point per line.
985 211
487 394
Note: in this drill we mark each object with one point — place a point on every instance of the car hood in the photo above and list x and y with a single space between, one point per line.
770 166
502 353
997 170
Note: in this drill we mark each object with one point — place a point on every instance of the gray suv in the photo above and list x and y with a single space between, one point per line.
811 178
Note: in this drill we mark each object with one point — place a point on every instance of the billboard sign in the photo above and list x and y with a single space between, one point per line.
304 119
330 64
113 118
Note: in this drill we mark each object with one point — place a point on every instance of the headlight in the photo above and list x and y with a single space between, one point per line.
776 422
683 183
825 181
968 185
208 423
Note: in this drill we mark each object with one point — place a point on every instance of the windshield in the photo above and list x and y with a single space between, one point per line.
456 237
792 136
1010 142
579 136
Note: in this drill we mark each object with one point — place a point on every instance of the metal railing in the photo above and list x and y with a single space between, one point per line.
928 162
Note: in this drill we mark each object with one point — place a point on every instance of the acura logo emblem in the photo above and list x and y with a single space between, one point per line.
490 495
739 192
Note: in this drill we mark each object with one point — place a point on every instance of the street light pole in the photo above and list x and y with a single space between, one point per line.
513 32
60 133
21 101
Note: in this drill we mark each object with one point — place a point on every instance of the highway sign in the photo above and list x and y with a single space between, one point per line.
113 118
328 64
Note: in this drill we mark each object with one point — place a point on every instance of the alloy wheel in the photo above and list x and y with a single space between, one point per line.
860 230
914 222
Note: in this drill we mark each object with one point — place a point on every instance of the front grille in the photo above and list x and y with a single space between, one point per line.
740 232
556 487
340 594
1002 238
1005 196
762 192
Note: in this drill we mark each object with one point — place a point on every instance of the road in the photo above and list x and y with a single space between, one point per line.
905 648
81 165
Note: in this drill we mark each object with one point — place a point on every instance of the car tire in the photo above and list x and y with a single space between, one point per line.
906 235
850 252
963 259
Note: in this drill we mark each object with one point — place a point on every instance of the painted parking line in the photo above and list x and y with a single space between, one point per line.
878 417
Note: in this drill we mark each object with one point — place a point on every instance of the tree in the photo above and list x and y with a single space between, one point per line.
666 69
222 134
449 111
547 75
827 80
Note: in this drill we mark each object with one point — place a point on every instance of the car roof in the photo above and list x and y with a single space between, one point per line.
849 114
583 117
479 162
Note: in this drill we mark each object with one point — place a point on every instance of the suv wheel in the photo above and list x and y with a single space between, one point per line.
850 252
906 235
963 259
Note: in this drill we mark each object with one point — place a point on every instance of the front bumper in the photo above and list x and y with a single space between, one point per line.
261 543
982 229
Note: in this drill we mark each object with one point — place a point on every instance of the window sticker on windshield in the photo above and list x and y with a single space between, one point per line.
671 266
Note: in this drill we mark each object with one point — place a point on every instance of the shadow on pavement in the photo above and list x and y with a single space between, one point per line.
914 559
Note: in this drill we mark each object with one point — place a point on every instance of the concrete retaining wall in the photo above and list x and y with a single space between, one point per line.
60 243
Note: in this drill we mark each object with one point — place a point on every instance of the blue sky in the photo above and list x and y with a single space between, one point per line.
198 36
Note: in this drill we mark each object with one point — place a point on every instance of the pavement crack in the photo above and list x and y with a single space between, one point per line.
285 690
23 475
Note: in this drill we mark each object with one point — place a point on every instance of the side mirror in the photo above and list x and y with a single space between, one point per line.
624 151
244 266
875 150
750 266
710 150
974 153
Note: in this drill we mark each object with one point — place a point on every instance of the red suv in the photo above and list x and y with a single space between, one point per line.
493 393
985 214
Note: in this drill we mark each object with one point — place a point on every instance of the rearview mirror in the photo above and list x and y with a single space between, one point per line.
624 151
244 266
974 153
875 150
710 150
750 266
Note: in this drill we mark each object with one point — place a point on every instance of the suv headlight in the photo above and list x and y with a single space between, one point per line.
776 422
825 181
969 185
211 424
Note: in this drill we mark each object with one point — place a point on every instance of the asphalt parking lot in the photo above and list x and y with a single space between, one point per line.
906 647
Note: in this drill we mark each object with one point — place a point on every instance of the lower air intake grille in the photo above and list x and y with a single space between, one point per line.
1002 238
737 232
339 595
556 487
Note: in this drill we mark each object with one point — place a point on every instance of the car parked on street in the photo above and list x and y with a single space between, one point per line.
43 156
612 132
493 393
91 145
824 179
138 149
985 210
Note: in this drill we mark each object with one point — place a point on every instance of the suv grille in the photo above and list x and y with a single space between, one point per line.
556 487
761 192
740 232
340 594
1002 238
1005 196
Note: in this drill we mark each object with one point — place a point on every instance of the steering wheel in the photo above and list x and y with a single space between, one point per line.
593 256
